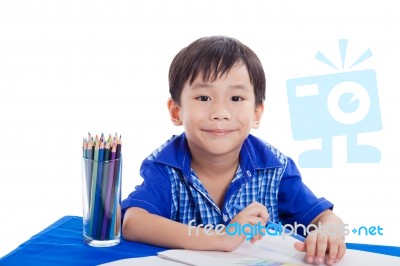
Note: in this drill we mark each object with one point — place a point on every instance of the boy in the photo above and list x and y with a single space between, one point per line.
217 88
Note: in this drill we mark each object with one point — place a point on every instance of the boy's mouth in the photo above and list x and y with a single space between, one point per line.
219 132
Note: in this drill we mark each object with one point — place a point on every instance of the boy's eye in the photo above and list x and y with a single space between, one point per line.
203 98
236 98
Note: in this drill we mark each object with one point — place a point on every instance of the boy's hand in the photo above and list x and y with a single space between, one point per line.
325 245
320 247
250 217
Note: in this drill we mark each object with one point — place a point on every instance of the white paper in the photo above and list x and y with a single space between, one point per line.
264 252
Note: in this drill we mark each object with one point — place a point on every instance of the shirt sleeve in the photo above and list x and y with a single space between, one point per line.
154 194
296 202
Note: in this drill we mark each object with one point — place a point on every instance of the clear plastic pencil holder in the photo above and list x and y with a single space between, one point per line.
101 192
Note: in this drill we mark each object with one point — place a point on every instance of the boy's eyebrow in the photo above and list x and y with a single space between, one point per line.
239 86
199 85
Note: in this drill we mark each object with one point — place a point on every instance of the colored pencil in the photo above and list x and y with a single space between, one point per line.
99 206
93 186
109 188
88 164
114 196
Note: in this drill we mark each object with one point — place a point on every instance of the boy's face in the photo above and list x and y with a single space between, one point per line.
217 116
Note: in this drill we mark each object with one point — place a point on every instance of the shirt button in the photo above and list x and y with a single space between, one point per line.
225 217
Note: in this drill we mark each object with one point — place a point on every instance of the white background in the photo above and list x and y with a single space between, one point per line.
69 67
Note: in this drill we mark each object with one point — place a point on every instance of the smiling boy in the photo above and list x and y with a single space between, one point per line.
217 88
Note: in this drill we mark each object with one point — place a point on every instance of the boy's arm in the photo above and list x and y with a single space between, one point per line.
141 226
327 241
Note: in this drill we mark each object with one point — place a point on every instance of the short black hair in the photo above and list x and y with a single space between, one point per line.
213 57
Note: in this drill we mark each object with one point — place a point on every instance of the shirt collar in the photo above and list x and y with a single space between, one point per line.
255 154
176 154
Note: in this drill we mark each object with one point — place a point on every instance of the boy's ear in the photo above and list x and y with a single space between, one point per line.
174 112
258 112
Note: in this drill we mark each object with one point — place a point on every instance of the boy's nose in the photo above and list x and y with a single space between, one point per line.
220 113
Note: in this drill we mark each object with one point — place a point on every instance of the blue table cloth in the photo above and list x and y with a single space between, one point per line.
62 244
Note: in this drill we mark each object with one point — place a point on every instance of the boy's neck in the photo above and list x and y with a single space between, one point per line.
215 167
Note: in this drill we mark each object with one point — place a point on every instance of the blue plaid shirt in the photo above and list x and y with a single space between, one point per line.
172 189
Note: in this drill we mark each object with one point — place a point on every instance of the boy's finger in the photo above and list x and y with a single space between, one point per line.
260 211
311 243
300 246
333 250
341 251
255 205
322 243
254 240
255 220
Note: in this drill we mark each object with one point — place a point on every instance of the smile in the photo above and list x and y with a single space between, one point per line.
219 132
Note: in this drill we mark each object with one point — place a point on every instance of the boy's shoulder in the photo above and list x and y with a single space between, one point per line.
174 152
264 153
